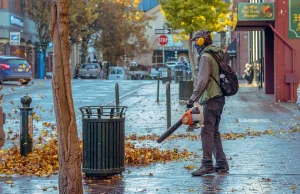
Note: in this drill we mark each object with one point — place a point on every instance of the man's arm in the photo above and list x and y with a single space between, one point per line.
203 78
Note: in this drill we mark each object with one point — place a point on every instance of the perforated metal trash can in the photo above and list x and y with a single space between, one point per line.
186 87
177 74
103 141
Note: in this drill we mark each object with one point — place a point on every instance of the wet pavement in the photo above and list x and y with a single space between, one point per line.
269 163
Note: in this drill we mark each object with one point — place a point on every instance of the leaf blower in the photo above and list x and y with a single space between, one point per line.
189 118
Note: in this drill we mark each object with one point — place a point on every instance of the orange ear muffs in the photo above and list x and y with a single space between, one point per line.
200 41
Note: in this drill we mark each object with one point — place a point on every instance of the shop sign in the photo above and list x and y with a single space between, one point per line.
14 38
256 11
294 19
16 21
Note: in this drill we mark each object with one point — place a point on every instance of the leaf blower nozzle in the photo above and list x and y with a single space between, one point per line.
188 118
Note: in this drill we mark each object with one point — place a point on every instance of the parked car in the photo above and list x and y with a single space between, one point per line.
117 73
90 70
15 69
154 72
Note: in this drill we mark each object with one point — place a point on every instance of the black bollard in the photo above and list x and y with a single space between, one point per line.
117 94
168 99
158 78
26 126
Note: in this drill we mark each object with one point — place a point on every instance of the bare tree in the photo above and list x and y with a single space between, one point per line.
70 178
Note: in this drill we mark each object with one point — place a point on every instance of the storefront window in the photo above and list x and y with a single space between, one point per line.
2 49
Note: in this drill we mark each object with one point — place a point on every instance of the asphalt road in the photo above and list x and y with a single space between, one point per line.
87 92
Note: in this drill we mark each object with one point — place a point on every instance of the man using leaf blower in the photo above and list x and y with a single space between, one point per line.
210 96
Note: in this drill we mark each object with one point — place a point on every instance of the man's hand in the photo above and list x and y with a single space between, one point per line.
189 104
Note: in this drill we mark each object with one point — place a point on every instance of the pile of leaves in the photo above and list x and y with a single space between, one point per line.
146 156
43 161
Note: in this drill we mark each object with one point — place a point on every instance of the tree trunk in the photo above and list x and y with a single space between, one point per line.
223 39
192 60
70 178
84 50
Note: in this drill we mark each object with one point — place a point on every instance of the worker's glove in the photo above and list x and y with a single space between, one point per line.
189 104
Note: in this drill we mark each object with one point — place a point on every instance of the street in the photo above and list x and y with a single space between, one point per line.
86 92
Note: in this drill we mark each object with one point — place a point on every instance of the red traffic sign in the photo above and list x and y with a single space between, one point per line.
162 39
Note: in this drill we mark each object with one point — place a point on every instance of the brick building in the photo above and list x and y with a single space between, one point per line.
267 34
14 20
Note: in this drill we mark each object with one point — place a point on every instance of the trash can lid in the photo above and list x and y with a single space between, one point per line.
111 112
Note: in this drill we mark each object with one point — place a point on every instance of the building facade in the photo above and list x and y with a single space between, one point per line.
268 37
17 31
158 54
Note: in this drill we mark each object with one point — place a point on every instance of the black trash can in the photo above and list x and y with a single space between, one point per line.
186 87
164 80
103 140
177 74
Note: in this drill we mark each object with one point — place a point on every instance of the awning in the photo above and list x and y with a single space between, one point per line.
231 49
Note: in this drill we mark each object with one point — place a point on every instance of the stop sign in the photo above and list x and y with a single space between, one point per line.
163 39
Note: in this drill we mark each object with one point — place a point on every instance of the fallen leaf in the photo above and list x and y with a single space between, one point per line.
44 188
9 182
46 124
189 167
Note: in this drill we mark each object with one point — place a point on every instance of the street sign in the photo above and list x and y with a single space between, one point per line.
14 38
163 31
162 39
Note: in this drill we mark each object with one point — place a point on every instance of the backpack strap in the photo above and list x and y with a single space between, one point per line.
218 61
215 57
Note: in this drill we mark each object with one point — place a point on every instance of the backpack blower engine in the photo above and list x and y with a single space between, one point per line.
189 118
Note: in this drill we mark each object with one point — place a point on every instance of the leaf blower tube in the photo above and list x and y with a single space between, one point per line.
189 118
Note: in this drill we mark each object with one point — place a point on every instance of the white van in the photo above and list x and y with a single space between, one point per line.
117 73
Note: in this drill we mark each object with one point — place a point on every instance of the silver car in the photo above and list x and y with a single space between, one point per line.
90 70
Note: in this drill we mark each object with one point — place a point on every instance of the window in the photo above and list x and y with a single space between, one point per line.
17 62
112 71
90 66
12 5
119 71
23 5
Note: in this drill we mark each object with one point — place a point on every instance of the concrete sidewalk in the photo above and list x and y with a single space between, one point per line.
268 163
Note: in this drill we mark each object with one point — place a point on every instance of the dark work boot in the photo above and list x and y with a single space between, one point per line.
222 167
203 170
